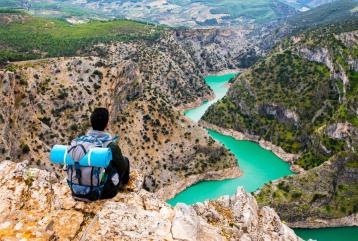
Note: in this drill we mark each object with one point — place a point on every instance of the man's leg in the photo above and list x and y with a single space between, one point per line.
110 190
125 178
120 163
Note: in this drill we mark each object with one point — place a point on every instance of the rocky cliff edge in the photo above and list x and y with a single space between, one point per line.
35 206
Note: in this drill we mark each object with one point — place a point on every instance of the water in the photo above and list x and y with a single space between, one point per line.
329 234
218 85
259 166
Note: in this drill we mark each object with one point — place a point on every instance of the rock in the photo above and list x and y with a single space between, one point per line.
341 131
43 209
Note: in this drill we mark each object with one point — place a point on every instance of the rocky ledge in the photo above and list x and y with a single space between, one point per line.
351 220
278 151
35 205
170 191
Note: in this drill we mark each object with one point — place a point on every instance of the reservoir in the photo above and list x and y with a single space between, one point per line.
259 166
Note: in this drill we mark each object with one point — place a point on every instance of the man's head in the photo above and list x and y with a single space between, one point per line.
99 119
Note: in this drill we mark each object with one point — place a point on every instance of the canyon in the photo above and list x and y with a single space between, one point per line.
297 98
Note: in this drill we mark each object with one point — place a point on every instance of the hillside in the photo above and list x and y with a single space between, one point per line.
303 98
332 12
328 192
23 36
190 13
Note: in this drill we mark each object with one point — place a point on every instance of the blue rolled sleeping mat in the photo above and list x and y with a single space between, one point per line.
96 157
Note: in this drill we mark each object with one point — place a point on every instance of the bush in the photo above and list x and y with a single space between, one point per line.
296 195
25 148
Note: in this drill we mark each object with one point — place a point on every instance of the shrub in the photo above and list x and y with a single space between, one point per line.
296 195
25 148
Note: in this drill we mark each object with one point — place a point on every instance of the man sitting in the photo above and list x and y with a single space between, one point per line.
93 183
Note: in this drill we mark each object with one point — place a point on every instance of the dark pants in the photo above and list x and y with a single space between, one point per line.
121 165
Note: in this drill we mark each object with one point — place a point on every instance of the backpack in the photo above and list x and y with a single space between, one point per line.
87 182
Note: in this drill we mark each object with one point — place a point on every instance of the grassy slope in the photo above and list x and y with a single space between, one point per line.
35 37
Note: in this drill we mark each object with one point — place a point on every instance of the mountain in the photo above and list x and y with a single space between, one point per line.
303 97
194 13
305 5
332 12
23 36
173 13
210 49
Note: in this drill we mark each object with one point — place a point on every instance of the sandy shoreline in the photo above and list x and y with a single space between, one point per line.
349 221
278 151
196 103
226 71
172 190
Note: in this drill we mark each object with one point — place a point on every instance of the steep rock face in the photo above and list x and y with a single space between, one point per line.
49 101
177 61
303 98
217 49
35 205
165 65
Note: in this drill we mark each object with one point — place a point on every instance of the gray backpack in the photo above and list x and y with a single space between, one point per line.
87 182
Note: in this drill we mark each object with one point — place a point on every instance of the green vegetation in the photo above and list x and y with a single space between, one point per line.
260 10
313 195
27 37
290 101
335 12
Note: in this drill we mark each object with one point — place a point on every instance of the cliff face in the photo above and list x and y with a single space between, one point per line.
49 101
302 97
214 50
35 205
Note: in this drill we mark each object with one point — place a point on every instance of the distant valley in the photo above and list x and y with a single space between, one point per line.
186 13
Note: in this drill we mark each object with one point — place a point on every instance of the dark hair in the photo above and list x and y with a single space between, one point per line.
99 119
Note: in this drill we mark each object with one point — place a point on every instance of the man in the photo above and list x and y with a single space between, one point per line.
90 183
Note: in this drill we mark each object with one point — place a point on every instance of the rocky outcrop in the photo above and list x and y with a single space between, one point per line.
164 64
283 115
216 49
13 18
351 220
35 205
341 131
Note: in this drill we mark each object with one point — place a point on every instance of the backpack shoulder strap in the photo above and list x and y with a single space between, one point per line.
75 146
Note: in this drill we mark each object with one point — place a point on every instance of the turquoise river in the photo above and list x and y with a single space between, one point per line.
259 166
